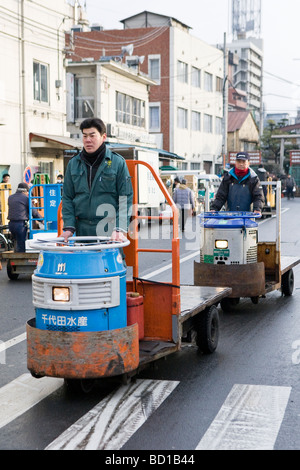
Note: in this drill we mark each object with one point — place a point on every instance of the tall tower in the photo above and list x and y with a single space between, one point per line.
246 18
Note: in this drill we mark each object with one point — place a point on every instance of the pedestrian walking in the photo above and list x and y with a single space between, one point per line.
18 216
184 198
290 185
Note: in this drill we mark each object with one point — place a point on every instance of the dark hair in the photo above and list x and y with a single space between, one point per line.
93 122
5 174
23 187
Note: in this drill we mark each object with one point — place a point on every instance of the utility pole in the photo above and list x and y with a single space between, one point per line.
23 90
225 101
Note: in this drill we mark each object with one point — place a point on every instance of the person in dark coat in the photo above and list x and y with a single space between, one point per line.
240 188
18 215
184 199
290 184
263 175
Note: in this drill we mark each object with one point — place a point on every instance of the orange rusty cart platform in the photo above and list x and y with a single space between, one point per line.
171 313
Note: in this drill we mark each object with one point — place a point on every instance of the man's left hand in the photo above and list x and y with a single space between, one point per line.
118 236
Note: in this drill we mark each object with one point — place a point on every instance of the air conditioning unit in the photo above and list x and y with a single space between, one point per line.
111 130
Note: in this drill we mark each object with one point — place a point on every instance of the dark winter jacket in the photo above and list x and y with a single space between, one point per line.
290 182
18 207
109 199
239 193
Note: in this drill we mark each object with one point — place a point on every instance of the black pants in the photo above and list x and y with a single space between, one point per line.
18 229
289 193
183 216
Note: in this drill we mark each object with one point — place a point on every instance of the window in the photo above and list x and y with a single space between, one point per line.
219 84
219 125
84 97
182 118
207 124
208 81
195 166
196 77
196 121
130 110
154 117
182 72
40 82
154 67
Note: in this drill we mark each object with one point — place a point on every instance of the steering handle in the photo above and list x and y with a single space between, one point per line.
229 215
77 244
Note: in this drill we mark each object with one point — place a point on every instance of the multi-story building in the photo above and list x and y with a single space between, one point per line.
186 104
33 130
110 90
248 73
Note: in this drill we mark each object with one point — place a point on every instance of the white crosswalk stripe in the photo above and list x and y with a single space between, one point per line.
23 393
113 421
249 419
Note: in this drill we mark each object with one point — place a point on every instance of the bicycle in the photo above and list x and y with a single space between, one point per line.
6 242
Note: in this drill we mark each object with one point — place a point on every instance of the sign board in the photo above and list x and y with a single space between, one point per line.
27 175
294 157
254 157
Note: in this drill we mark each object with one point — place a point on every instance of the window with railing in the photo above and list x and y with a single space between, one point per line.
130 110
84 97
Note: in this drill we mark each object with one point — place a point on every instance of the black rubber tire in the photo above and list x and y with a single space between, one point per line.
208 330
287 283
227 303
79 385
11 274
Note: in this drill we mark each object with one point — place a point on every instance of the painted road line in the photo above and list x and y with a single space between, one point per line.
23 393
12 342
169 266
249 419
112 422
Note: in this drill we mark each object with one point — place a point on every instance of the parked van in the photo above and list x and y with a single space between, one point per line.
212 182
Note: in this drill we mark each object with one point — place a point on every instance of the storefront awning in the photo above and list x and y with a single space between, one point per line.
162 153
55 142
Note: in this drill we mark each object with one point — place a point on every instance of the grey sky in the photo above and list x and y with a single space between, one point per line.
210 19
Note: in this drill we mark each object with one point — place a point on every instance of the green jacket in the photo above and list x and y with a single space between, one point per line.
106 206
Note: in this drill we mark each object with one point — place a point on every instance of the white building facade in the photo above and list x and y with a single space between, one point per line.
248 74
196 101
33 85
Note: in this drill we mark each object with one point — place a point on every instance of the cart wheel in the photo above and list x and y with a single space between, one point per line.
227 303
287 283
208 330
10 272
80 385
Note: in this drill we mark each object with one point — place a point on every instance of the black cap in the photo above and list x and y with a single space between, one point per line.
242 156
23 187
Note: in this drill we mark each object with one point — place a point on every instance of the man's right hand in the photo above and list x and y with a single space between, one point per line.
67 234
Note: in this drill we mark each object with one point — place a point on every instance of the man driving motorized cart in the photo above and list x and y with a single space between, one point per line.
240 188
